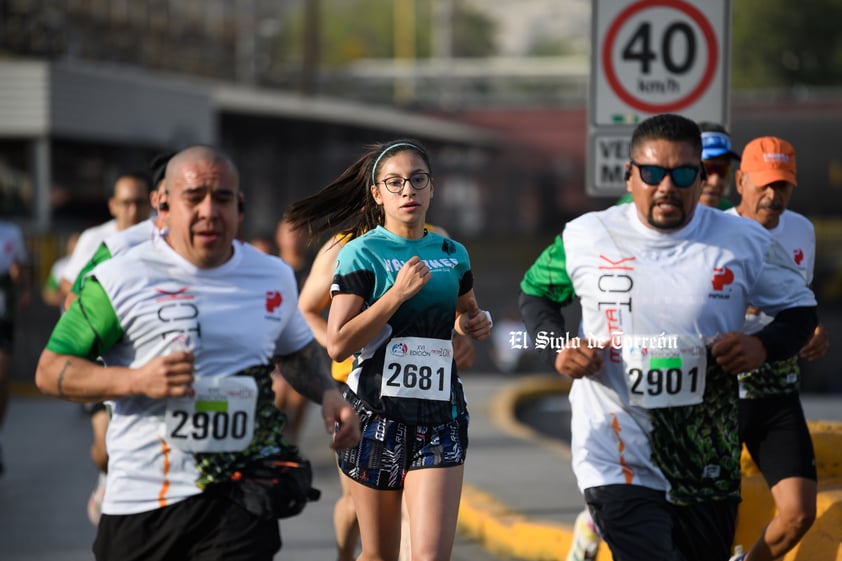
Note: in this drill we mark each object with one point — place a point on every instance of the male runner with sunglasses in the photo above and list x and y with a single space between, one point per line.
717 158
663 284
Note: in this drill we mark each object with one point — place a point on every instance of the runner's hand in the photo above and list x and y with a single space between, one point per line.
581 361
737 352
817 346
165 376
411 278
341 420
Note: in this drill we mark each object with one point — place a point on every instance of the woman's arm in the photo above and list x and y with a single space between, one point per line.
315 294
349 327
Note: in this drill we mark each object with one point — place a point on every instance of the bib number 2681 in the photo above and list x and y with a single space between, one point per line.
417 367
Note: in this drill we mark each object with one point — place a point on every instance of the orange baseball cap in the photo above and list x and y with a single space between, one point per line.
768 159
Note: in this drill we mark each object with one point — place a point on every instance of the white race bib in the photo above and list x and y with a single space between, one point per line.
218 418
417 367
670 375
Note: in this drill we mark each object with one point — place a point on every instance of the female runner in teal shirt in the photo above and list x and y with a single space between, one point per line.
398 293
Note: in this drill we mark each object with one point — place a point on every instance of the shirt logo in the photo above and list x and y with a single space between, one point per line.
174 294
273 300
722 276
622 263
798 255
399 349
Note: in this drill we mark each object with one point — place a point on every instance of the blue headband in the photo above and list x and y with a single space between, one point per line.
383 153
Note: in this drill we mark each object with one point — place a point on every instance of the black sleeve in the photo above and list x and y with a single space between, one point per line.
541 314
788 332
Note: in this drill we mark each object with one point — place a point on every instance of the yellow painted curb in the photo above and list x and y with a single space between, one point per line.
509 534
503 532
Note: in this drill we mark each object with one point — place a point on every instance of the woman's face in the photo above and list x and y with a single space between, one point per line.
405 209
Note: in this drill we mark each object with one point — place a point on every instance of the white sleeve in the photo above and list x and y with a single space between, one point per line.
780 285
85 249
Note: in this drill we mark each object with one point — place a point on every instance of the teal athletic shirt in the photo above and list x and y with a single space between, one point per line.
367 266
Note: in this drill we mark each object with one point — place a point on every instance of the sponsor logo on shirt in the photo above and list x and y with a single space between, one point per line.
273 300
399 349
615 285
722 277
798 256
178 313
443 264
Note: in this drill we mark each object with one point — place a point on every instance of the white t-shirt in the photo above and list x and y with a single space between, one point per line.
238 315
124 240
87 245
796 233
659 296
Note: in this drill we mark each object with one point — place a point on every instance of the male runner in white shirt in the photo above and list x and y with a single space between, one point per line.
663 284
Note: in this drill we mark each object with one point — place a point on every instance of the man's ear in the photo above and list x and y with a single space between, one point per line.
112 206
160 201
738 181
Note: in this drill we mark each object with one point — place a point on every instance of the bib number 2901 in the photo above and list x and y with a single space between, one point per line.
657 382
417 367
671 376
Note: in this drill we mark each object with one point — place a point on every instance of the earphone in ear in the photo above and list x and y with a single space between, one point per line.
627 175
163 206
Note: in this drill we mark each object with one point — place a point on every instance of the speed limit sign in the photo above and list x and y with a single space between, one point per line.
659 56
650 57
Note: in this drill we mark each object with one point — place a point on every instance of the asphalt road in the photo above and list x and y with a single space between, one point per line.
49 476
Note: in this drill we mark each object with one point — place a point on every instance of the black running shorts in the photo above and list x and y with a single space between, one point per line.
204 527
776 435
638 523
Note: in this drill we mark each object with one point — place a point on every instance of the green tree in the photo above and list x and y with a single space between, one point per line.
777 43
353 29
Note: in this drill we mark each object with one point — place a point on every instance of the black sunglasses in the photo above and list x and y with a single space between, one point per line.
682 176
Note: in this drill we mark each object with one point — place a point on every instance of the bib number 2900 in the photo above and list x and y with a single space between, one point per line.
202 425
218 417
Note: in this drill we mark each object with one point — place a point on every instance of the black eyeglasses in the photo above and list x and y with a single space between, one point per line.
418 180
682 176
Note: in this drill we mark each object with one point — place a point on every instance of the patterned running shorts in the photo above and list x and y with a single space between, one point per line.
388 449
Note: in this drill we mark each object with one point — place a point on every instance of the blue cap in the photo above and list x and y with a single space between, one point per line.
715 144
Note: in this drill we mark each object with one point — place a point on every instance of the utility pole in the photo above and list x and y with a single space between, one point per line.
404 48
312 42
442 49
246 42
